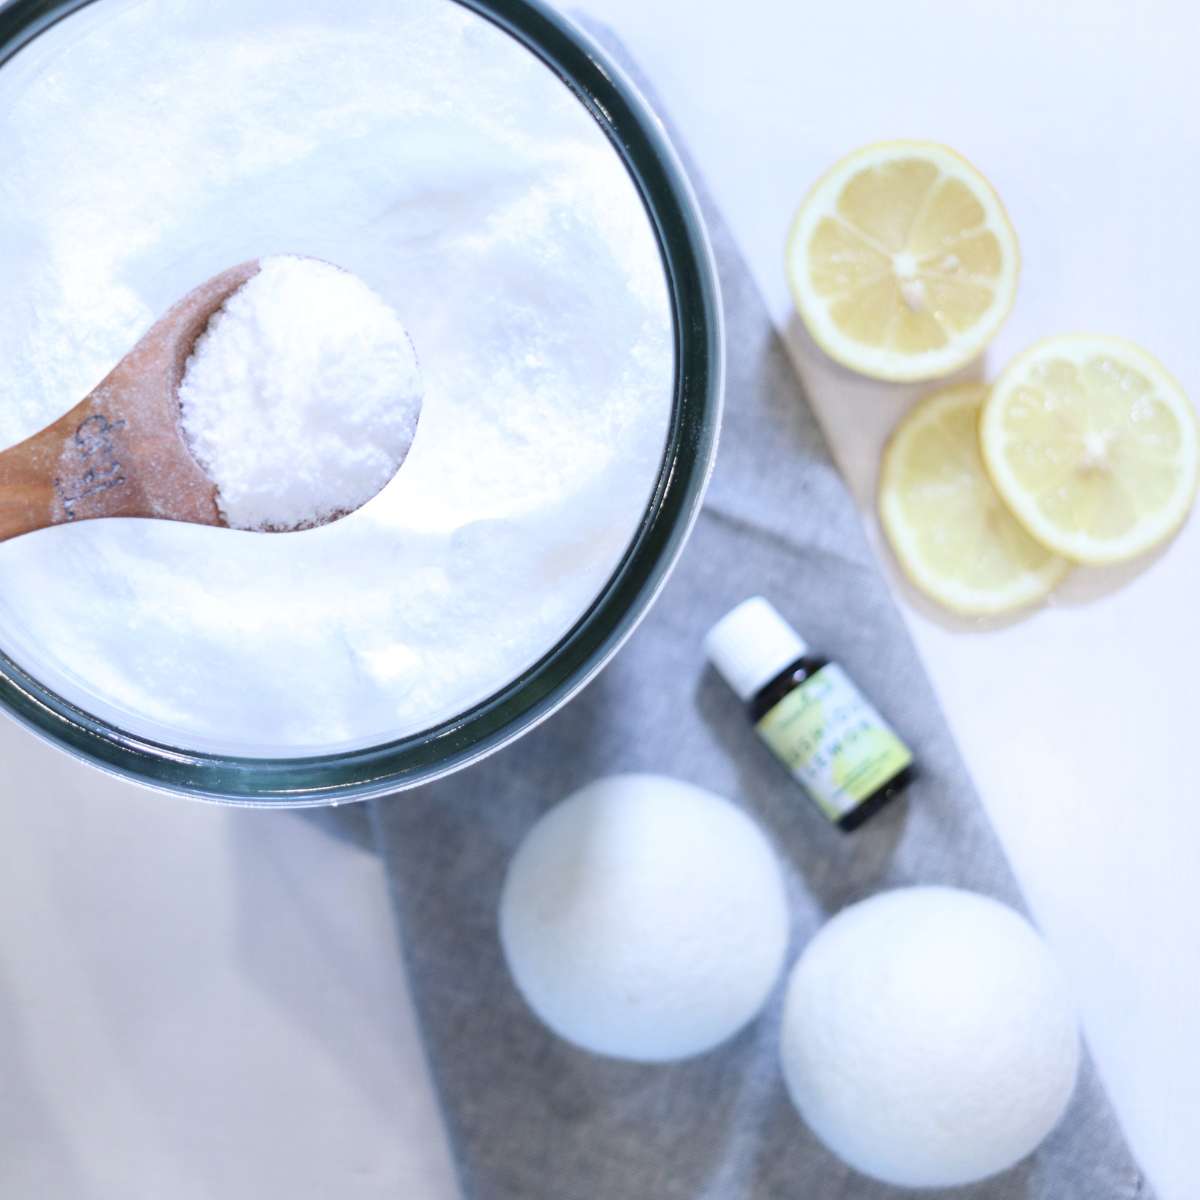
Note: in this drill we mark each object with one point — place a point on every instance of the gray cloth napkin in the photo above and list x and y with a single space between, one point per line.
530 1117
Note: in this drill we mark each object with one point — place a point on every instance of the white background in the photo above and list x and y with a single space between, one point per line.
197 1002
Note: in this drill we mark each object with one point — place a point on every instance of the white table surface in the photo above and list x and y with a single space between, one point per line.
197 1002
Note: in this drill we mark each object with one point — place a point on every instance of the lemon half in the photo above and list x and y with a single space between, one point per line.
1093 445
949 529
902 261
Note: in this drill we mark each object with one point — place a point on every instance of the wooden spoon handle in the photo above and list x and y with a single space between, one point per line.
25 500
104 458
120 452
71 470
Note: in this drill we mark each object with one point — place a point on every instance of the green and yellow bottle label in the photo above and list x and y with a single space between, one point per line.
833 741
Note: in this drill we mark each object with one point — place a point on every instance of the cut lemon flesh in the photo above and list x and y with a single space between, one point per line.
949 529
902 261
1093 446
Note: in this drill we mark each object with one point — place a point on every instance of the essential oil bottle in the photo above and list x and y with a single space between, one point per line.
811 714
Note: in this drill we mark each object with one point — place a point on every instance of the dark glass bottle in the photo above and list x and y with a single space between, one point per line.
811 715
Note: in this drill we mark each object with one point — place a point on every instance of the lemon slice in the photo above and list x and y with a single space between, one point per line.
949 529
902 261
1093 445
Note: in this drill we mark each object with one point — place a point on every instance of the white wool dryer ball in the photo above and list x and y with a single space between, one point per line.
644 918
927 1037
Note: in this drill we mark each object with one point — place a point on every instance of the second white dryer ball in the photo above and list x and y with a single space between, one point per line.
928 1039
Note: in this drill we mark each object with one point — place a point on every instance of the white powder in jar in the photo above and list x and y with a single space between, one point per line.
149 145
301 397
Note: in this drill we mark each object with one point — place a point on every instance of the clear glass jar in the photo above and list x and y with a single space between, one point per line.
636 137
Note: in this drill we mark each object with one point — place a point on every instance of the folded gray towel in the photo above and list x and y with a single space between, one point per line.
530 1117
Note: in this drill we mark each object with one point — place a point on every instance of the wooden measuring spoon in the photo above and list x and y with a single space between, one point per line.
120 452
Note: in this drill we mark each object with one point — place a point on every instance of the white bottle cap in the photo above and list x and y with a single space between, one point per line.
751 645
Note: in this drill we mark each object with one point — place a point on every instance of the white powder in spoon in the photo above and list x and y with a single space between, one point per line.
148 145
301 397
